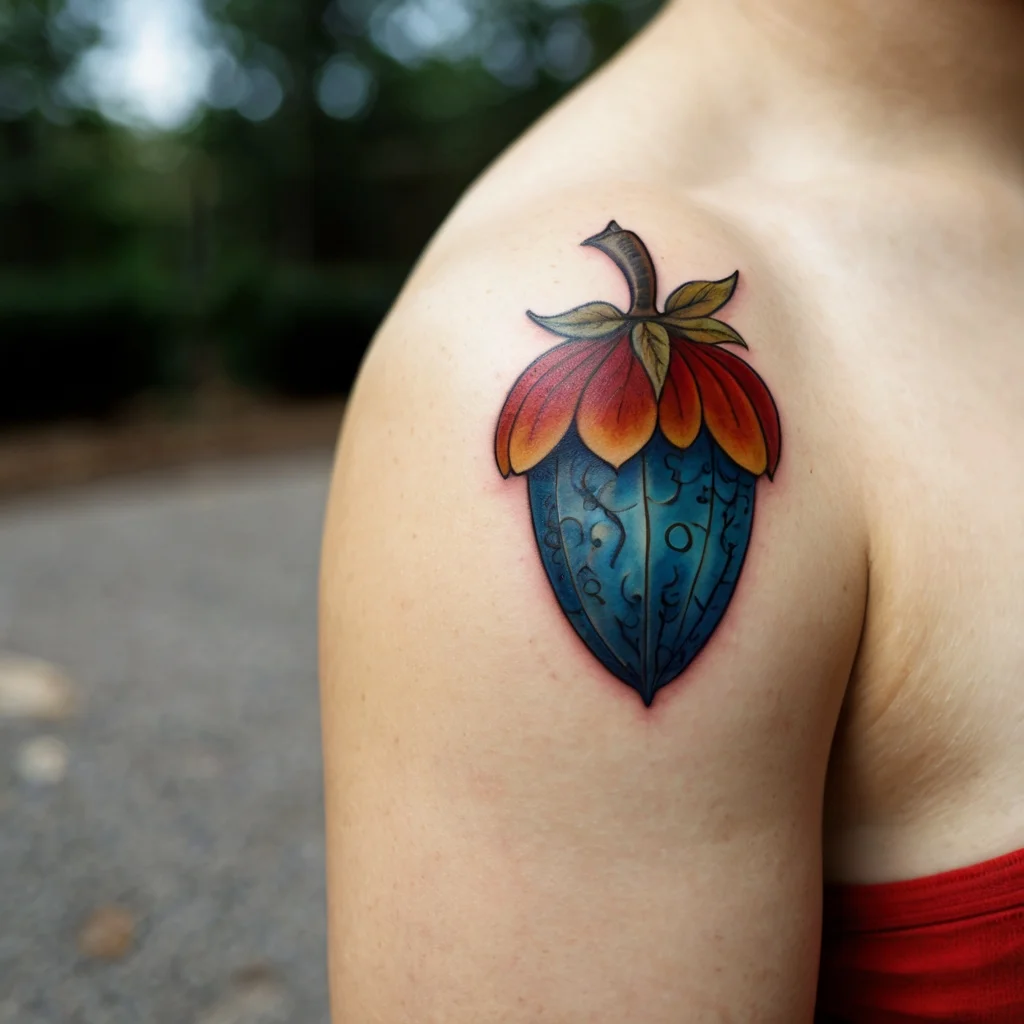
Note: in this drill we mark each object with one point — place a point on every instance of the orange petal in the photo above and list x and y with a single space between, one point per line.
679 410
760 397
618 413
728 413
550 404
530 376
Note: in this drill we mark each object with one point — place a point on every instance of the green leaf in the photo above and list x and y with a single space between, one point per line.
705 330
595 321
702 298
653 348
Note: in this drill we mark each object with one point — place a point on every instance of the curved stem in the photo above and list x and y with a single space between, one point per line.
630 255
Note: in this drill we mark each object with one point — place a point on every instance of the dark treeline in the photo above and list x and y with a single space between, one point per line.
262 240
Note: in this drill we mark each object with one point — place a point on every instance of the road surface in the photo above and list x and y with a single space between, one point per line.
182 609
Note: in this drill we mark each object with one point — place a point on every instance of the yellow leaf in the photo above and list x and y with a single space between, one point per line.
705 330
595 321
702 298
653 348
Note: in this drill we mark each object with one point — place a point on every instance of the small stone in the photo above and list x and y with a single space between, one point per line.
108 934
34 689
42 761
256 996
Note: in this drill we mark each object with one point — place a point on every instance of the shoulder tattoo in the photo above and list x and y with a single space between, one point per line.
642 439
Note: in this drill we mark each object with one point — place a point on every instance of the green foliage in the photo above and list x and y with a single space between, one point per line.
264 239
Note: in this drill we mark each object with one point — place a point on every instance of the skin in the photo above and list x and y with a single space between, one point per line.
511 835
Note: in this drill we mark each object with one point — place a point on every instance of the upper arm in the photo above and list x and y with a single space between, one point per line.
513 834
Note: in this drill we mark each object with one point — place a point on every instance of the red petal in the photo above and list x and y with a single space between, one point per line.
517 396
761 399
618 413
550 404
679 410
728 413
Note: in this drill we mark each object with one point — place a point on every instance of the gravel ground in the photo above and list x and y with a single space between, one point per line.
172 869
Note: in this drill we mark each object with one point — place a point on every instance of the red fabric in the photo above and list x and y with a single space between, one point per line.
945 948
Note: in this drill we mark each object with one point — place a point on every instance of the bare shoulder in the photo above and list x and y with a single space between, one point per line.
551 331
593 582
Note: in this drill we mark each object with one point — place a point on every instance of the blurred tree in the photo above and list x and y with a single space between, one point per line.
32 62
377 115
268 235
388 109
90 234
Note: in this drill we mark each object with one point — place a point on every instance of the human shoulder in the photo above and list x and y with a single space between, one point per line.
483 305
591 599
513 342
494 263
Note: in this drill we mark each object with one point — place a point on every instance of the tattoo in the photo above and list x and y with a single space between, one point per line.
642 440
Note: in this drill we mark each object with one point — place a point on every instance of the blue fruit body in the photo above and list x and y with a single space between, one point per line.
643 561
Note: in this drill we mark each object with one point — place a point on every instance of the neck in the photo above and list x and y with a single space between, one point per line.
912 74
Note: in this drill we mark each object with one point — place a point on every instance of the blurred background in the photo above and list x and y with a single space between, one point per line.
206 206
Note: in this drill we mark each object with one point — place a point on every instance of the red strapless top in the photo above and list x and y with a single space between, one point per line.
946 948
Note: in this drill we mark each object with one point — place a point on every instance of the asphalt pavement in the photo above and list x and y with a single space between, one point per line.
161 831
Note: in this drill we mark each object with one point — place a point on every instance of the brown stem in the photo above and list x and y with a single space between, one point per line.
630 255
